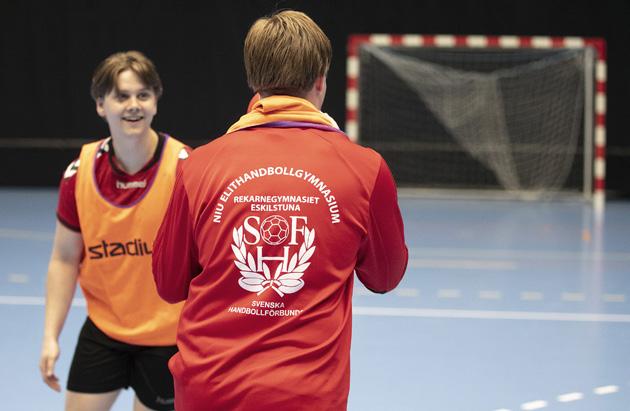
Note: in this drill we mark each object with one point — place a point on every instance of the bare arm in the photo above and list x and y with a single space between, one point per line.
63 271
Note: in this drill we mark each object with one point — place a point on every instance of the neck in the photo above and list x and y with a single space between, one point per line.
315 98
133 153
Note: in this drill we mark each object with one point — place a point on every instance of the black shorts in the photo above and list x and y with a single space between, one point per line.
102 364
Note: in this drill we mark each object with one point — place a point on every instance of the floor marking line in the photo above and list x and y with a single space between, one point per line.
570 396
606 389
531 296
614 298
418 252
490 295
567 397
17 278
534 405
462 264
449 293
572 296
25 234
33 300
489 315
407 292
412 312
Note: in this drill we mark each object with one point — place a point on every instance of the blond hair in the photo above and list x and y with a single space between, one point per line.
285 53
106 74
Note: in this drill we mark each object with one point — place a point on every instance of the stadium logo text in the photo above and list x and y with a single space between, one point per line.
135 247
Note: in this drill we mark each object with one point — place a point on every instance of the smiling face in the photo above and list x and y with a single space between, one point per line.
129 107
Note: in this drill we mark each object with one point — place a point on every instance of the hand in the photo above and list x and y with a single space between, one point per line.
49 356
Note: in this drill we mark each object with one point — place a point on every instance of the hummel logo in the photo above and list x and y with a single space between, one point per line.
130 184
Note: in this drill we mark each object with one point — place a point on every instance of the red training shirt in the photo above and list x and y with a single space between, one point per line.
265 228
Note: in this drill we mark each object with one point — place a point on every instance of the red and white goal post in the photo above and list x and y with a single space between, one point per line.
520 114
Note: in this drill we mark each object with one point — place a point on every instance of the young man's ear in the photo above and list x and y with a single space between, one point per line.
99 107
320 83
317 92
320 90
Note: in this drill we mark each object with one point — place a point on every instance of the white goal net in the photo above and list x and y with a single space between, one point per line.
516 120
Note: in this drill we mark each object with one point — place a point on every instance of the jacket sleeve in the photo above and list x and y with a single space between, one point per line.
175 255
383 255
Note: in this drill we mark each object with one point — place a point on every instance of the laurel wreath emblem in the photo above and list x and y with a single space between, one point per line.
285 280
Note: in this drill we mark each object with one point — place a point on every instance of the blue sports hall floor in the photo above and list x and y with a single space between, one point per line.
506 305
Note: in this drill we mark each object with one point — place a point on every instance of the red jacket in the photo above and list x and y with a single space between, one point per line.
264 231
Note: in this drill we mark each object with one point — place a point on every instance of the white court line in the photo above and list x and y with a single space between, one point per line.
490 295
532 296
614 298
571 296
449 293
32 300
468 264
567 397
606 389
570 397
407 292
534 405
17 278
21 300
412 312
478 253
25 234
489 315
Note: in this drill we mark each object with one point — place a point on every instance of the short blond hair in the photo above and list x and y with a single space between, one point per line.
285 53
106 74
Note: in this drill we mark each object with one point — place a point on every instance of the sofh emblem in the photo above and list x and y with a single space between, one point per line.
256 276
